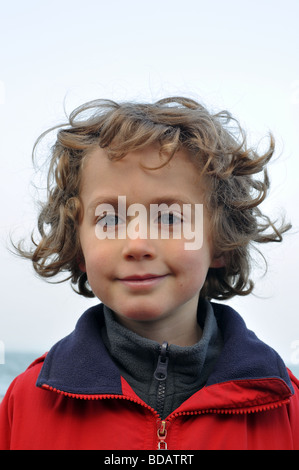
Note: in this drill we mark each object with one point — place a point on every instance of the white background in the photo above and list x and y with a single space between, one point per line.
234 54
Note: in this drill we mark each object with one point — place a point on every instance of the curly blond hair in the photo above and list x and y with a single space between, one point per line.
236 175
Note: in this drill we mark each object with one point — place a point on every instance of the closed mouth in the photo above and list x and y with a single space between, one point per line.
142 281
138 277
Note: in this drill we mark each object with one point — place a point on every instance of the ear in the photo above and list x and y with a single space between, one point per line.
81 263
82 266
218 262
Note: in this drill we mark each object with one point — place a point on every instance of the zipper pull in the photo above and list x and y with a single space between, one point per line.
162 433
161 370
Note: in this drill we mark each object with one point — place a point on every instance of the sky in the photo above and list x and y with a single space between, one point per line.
55 55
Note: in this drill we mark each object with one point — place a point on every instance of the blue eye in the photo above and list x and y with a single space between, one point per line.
169 218
108 220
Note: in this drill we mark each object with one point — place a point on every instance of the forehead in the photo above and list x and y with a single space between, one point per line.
128 176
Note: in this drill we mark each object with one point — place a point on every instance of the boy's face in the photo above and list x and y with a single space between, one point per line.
142 279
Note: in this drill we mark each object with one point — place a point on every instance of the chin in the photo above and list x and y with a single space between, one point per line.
141 314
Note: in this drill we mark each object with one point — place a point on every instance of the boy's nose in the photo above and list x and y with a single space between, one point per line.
138 249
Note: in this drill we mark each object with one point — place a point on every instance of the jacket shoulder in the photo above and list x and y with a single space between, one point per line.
21 393
26 379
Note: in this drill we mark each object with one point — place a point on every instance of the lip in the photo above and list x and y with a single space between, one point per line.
140 277
141 281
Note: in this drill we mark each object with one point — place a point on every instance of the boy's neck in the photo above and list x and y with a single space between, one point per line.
181 330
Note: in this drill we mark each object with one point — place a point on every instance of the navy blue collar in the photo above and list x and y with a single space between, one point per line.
80 363
244 355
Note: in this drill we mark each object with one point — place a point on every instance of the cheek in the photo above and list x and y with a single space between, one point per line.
97 261
190 267
191 260
98 268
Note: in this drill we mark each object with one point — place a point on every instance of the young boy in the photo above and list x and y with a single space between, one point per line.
153 208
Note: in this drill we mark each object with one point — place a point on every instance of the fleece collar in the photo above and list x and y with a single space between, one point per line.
187 369
244 355
81 364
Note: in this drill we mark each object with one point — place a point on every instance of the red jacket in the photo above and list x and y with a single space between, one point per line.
74 398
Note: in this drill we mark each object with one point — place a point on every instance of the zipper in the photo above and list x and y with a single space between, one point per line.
97 397
160 375
162 434
163 425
